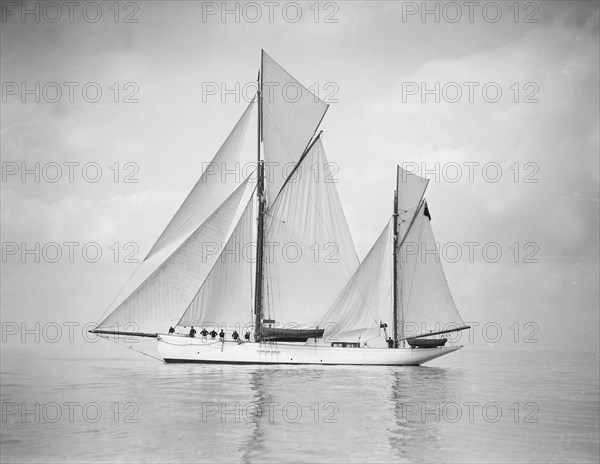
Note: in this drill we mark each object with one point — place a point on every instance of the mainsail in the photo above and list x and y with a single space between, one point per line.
309 252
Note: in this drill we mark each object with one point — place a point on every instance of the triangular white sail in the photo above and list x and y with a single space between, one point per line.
290 117
309 252
167 292
366 300
226 297
426 299
410 189
214 186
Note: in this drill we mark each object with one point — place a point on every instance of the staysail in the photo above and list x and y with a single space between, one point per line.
366 300
226 296
291 115
220 178
309 252
168 291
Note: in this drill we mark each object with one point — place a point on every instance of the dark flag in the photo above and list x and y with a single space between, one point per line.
426 212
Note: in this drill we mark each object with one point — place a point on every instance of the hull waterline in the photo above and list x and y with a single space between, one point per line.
179 349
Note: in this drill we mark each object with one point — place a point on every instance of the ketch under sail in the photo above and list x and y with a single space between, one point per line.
276 260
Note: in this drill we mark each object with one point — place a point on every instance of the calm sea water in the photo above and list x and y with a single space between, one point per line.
466 407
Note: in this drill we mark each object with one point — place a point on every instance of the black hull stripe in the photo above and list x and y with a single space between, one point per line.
199 361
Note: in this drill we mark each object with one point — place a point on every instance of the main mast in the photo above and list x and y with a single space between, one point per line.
395 278
260 192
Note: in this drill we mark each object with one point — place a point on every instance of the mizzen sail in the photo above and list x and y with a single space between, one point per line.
426 298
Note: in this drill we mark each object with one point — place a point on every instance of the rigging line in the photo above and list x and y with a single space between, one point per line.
318 211
420 232
372 338
275 271
119 293
379 272
190 344
175 252
313 263
251 268
271 282
131 348
278 131
414 270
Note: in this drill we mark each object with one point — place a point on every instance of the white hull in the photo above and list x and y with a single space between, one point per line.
177 348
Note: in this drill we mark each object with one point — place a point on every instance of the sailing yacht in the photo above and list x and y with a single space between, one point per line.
269 255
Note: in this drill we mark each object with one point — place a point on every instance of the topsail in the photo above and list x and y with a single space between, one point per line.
291 115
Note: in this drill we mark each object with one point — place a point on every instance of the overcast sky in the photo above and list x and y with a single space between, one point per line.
371 62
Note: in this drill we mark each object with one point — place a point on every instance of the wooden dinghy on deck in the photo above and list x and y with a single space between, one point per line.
426 342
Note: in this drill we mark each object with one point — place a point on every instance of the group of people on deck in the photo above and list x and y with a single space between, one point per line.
213 334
